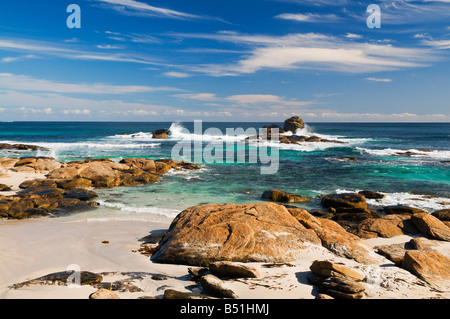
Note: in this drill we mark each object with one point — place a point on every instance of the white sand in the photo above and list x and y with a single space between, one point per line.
33 248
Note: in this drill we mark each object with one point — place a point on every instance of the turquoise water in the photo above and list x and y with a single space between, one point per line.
309 169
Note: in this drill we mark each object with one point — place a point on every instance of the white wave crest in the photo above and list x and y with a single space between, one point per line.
425 202
171 213
413 153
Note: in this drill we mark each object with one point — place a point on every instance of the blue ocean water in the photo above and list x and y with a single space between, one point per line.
420 178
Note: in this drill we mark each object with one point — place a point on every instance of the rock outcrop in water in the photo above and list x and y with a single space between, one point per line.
161 134
288 134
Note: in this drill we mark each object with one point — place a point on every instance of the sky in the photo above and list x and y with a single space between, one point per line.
227 61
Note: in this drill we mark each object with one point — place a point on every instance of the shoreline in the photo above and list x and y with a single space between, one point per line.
36 247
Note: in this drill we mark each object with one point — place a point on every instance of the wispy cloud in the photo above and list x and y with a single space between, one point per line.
131 6
15 82
17 58
180 75
311 51
378 80
247 101
67 51
309 17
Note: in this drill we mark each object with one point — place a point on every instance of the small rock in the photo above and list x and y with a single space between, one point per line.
174 294
215 286
103 294
343 288
276 195
348 200
233 270
4 188
329 269
198 272
372 195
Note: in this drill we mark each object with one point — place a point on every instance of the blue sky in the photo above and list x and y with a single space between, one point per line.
216 60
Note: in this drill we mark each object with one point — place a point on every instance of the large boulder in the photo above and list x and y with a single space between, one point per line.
264 232
293 124
432 227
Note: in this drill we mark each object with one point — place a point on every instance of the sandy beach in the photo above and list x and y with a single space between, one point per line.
33 248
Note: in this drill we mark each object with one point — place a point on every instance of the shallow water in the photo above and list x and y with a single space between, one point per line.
308 169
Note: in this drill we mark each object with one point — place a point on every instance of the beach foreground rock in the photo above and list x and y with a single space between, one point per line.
264 232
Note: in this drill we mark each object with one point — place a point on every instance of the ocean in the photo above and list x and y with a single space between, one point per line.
420 178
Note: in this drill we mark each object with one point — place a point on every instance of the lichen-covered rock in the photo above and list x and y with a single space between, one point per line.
263 232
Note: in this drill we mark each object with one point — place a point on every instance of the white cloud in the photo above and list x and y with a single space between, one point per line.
77 112
309 17
311 51
438 44
378 80
147 9
206 97
264 99
25 83
17 58
246 101
353 36
108 47
177 75
53 49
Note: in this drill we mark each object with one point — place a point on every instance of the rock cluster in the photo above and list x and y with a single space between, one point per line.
66 187
336 281
419 258
288 133
350 210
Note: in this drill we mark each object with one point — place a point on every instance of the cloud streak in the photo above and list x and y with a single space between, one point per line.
15 82
311 51
144 8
